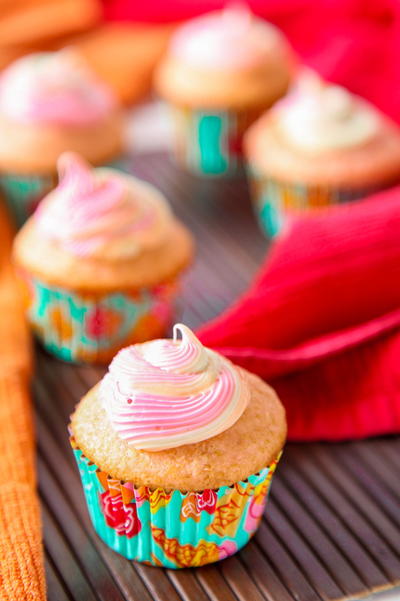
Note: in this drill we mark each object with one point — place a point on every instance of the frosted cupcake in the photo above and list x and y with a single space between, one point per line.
51 102
176 449
222 70
101 258
319 146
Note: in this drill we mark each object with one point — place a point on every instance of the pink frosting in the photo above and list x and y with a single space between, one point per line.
232 38
101 211
53 87
167 393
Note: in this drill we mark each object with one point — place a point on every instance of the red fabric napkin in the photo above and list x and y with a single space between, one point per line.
352 42
321 321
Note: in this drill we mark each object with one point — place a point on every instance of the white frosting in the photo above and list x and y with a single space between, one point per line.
53 87
228 39
319 117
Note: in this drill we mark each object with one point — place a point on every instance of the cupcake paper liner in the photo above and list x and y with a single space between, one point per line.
173 529
210 142
23 193
79 326
276 201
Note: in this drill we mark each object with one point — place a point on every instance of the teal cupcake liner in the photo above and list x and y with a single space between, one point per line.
22 193
275 202
173 529
210 142
78 326
121 163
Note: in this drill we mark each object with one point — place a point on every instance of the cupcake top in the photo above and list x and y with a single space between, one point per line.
321 134
317 117
53 88
101 213
177 415
51 102
229 39
100 228
167 393
226 58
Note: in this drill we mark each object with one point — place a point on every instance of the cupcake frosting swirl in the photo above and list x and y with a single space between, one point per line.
167 393
319 117
101 212
228 39
53 87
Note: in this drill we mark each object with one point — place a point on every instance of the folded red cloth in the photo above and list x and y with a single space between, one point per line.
321 321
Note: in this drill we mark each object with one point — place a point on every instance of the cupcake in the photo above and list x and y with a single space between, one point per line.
318 147
101 258
176 448
221 72
51 102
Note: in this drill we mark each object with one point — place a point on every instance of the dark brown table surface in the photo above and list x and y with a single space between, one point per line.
332 526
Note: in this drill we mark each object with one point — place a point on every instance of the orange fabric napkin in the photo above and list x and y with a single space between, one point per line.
30 25
21 555
123 54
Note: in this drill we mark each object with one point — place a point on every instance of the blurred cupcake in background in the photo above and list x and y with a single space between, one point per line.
51 102
221 72
101 258
319 146
176 449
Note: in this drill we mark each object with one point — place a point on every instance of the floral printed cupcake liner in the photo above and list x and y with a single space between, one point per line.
23 193
210 142
78 326
173 529
276 201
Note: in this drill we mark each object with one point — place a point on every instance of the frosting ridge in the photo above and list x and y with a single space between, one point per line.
102 212
231 38
319 117
53 87
167 393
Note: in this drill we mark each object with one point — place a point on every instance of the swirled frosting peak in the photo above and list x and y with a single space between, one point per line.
319 117
55 88
231 38
102 212
167 393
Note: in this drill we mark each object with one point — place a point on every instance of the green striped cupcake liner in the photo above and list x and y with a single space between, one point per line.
276 202
208 142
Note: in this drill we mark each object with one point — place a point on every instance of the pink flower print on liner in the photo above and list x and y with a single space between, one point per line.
102 322
254 513
228 548
123 518
206 501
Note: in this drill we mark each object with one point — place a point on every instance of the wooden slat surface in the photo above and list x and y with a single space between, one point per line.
332 527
